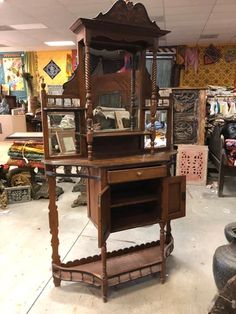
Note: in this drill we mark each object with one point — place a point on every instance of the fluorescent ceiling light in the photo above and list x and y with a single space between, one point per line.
28 26
59 43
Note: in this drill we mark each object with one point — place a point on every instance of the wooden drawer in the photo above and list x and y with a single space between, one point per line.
136 174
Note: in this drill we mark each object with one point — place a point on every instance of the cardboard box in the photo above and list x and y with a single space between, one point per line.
10 124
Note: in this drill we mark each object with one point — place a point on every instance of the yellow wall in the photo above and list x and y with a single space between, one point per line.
221 73
59 57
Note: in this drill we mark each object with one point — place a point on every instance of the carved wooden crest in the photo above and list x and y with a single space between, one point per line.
125 12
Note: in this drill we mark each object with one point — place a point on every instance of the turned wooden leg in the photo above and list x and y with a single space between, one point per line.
220 181
168 232
56 281
104 272
53 222
162 247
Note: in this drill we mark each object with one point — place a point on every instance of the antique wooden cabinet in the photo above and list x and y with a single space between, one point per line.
108 122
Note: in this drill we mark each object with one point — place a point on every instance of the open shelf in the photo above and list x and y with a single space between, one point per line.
63 109
117 132
135 192
121 200
136 215
122 265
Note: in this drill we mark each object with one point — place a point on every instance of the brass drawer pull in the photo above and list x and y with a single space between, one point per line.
139 173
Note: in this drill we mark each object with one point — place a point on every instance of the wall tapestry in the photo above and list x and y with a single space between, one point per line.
12 73
221 73
52 69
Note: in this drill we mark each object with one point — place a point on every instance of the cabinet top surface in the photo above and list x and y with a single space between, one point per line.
144 159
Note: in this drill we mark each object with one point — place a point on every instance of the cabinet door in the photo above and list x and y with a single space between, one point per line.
173 197
104 221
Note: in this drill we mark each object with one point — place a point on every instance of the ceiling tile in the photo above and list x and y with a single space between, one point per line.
225 2
186 10
186 19
224 9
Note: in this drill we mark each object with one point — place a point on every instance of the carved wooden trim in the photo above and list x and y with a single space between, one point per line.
186 124
125 12
53 219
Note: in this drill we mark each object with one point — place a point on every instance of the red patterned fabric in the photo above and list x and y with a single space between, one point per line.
230 147
22 163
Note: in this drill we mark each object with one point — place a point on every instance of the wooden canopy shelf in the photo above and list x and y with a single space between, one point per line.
120 133
62 109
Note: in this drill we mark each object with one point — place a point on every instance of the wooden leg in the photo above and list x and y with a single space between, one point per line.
56 281
220 182
104 272
162 247
53 222
168 232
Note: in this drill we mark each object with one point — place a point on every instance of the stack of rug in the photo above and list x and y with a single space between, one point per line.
26 154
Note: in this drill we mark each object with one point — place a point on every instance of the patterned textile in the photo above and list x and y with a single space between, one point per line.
52 69
192 58
28 156
230 54
230 147
22 163
180 55
27 151
221 73
212 55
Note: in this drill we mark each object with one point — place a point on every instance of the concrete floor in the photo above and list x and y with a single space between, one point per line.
25 258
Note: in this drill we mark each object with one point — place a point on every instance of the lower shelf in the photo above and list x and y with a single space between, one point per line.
122 265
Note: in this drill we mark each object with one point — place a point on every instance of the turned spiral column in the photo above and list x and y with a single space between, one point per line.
153 99
162 248
132 104
53 222
104 272
89 107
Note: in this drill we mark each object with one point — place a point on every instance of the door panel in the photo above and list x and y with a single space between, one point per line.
104 221
174 196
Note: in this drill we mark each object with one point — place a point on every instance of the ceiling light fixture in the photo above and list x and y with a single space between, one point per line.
59 43
208 36
28 26
2 1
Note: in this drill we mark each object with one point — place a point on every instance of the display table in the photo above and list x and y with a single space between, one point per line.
25 136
